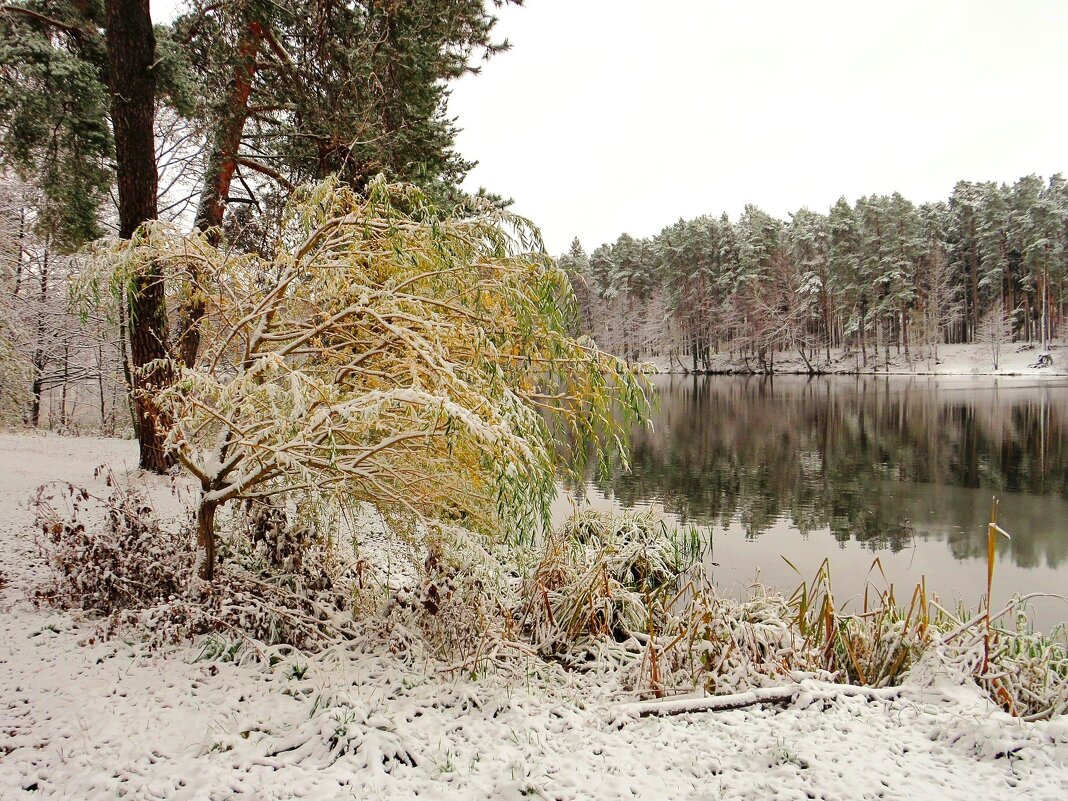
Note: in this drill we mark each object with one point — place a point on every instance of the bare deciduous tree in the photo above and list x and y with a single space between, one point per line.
941 309
49 353
995 330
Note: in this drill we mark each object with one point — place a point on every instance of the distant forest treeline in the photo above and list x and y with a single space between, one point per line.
989 264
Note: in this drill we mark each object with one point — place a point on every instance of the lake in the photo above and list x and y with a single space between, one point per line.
852 468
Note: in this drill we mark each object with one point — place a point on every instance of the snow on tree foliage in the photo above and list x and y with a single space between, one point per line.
386 354
880 273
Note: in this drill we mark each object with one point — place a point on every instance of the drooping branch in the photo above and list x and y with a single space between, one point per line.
280 52
263 169
74 30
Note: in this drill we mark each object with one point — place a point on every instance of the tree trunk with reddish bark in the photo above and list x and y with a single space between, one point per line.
222 163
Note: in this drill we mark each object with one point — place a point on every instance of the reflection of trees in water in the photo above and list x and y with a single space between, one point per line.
872 459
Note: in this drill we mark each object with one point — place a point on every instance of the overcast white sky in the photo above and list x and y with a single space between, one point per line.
616 115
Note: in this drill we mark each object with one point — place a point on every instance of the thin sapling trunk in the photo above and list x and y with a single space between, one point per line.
206 538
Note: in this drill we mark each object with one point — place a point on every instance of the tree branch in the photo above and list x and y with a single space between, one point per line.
280 51
270 172
50 21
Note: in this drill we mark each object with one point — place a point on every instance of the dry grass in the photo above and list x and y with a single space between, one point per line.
874 646
603 575
630 580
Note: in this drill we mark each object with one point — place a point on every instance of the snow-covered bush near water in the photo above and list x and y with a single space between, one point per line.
387 353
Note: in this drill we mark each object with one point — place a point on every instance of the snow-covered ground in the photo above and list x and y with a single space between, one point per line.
380 719
972 359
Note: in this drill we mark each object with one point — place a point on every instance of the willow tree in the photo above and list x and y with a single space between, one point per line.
387 355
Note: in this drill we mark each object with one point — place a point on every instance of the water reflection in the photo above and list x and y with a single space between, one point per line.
885 462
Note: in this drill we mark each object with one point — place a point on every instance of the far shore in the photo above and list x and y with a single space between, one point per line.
1014 360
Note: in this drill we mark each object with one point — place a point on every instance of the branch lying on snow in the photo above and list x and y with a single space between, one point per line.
760 695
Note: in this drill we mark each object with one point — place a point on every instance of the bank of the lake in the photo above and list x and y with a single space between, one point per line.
1014 359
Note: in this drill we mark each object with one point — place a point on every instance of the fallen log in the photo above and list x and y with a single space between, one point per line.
760 695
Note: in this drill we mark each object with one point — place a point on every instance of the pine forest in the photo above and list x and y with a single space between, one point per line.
879 274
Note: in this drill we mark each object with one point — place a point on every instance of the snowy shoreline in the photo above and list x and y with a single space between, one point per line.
381 717
957 361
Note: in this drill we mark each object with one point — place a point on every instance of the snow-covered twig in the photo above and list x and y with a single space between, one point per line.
758 695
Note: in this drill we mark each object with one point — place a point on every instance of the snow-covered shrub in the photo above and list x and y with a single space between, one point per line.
603 575
462 603
767 638
1031 670
876 645
644 554
113 556
109 554
749 643
1024 671
287 548
342 726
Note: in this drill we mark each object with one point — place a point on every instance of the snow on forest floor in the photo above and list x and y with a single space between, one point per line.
1016 359
87 720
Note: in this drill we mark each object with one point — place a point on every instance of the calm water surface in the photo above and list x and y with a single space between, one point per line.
854 468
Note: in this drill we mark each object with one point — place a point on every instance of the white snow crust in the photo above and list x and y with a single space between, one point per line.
1015 359
84 719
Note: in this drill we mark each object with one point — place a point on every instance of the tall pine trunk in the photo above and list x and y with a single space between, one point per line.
222 163
131 47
